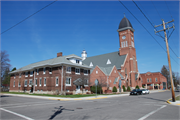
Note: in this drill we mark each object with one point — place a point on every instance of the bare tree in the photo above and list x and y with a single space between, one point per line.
4 62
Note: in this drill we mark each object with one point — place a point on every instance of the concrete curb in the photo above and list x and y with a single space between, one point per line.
177 102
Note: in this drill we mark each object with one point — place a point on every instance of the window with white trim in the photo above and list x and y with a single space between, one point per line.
19 75
40 81
86 82
77 70
25 83
44 70
30 82
156 79
50 70
31 73
132 43
57 81
26 74
37 71
85 72
36 81
68 70
19 84
68 81
126 44
44 81
14 84
147 79
77 61
150 80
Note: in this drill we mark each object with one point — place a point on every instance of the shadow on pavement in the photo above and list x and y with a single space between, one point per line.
5 96
58 111
154 99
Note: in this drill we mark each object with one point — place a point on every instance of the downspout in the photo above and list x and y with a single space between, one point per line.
34 83
62 80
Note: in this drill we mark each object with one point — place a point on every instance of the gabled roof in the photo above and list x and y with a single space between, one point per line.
106 70
52 62
101 60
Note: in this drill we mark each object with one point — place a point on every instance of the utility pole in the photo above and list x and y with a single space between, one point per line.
167 47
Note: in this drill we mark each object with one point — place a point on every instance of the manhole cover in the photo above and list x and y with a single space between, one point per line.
79 108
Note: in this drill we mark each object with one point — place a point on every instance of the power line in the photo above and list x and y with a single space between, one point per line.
28 17
146 18
145 28
168 10
153 25
156 9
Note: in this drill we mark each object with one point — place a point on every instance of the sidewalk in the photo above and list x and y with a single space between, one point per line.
81 98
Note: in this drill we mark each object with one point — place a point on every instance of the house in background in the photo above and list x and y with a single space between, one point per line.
154 80
54 76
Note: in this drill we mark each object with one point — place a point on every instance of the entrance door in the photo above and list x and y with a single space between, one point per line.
77 89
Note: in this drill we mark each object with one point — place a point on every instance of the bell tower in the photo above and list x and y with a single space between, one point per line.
127 47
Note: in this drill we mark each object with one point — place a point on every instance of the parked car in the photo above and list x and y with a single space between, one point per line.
145 91
136 92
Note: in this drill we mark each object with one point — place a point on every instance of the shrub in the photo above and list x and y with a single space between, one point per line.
137 87
128 88
124 89
114 89
99 89
143 86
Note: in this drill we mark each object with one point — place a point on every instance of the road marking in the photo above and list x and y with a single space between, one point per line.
25 117
147 115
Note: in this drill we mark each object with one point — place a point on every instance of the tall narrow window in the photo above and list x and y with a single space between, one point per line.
132 43
25 83
134 63
147 79
30 82
31 73
77 70
36 81
126 44
14 84
19 84
68 70
86 82
156 79
150 80
50 70
44 81
19 75
44 71
37 71
122 44
40 82
126 72
68 81
26 74
77 61
57 81
85 72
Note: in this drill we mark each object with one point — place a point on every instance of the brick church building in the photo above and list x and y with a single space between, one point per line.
117 68
75 74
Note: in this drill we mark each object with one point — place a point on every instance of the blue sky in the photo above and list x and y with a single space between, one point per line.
70 27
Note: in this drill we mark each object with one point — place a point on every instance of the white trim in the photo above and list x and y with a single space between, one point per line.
29 82
70 81
44 80
44 72
79 71
14 83
37 71
69 70
91 64
125 59
26 83
40 83
26 75
58 81
108 62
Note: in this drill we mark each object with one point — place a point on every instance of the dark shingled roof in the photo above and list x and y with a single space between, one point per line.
101 60
125 23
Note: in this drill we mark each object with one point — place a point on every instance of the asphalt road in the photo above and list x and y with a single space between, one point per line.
142 107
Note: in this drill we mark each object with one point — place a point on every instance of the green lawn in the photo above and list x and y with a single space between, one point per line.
48 95
178 98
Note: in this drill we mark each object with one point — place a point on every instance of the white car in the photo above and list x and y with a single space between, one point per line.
145 91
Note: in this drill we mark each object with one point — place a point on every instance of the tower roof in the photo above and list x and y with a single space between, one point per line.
125 24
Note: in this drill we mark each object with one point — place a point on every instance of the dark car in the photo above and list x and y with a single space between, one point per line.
136 92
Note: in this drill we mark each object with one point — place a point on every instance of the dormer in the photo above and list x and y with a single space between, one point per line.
75 59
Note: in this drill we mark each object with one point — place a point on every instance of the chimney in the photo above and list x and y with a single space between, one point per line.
59 54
